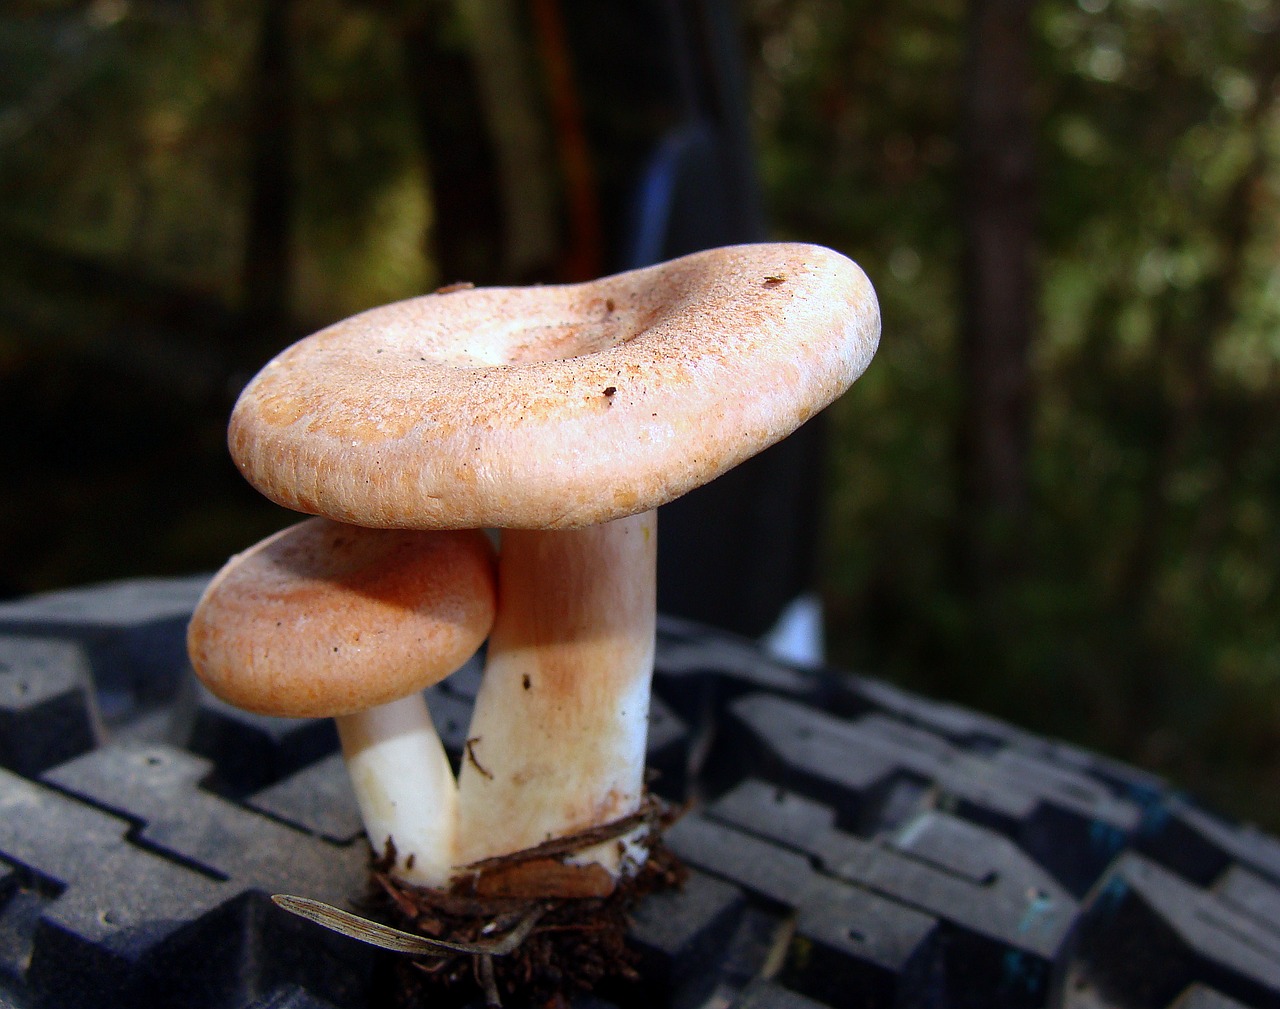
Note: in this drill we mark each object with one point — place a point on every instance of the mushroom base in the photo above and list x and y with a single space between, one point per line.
578 943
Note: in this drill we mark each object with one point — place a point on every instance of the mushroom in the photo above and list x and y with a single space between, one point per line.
329 620
562 416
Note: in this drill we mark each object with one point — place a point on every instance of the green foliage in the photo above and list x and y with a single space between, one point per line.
1144 617
123 134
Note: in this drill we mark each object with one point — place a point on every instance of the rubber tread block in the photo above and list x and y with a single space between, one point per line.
317 799
692 676
249 751
1008 781
202 930
251 946
760 941
111 905
134 602
851 764
963 726
857 846
134 633
1005 919
1147 934
48 710
679 932
845 938
159 786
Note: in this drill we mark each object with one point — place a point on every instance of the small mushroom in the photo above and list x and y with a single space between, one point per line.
563 416
328 620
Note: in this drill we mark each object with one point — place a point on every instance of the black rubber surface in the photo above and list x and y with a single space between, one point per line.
850 844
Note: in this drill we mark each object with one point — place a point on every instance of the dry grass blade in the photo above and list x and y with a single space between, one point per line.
383 936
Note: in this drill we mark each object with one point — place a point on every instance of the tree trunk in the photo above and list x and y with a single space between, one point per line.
997 207
267 265
467 232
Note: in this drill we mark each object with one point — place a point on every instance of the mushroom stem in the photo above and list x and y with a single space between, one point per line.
557 740
404 786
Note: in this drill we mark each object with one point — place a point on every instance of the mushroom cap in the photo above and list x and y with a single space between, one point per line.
324 619
556 407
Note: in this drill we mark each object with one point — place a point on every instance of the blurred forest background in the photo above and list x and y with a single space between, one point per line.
1054 495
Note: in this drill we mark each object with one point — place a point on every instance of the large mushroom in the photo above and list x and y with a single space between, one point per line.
328 620
562 416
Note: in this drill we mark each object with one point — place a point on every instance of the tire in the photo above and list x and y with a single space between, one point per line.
849 844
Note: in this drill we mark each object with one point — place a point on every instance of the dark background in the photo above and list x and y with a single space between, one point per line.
1054 494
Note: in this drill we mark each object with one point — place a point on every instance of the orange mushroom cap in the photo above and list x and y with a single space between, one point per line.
324 619
556 407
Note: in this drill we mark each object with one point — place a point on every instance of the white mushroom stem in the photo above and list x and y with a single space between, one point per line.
557 740
404 786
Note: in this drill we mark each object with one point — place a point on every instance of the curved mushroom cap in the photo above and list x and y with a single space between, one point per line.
556 407
324 619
